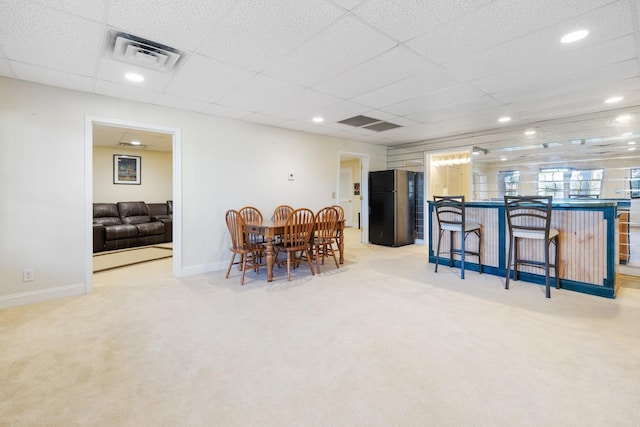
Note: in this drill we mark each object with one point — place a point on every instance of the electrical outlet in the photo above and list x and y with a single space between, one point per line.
28 275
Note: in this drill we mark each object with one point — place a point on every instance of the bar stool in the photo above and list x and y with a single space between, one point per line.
529 217
451 214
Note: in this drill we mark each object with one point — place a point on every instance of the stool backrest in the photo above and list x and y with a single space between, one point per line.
529 214
450 209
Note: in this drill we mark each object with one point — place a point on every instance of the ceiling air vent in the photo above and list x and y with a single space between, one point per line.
144 53
369 123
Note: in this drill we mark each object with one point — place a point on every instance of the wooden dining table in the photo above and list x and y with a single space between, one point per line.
271 229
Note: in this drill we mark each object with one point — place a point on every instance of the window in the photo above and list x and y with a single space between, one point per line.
551 182
508 183
635 183
585 184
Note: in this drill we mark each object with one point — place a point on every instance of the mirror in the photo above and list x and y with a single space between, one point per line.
595 156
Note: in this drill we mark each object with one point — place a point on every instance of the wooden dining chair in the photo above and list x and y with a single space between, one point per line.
298 230
251 253
282 212
253 215
324 236
340 230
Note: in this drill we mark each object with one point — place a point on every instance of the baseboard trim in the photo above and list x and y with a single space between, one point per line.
32 297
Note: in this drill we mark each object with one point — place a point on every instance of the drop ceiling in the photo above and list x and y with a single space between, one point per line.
433 68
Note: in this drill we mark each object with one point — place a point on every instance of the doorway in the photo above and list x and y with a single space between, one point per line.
352 195
346 199
91 123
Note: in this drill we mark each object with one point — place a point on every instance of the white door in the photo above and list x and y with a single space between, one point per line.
346 195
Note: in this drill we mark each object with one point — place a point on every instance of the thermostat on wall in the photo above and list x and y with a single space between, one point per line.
291 176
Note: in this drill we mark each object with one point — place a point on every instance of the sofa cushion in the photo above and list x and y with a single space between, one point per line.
150 229
133 212
120 231
106 214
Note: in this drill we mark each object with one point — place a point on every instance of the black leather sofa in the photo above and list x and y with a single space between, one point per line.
128 224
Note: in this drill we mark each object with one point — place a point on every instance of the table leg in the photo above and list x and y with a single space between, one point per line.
270 259
341 246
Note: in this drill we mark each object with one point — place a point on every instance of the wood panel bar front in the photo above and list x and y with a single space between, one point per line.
587 244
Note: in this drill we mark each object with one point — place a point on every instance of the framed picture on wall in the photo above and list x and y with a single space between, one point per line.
126 169
356 188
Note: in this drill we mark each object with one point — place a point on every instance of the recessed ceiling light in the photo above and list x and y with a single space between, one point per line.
318 120
530 132
574 36
134 77
504 119
631 143
631 149
503 159
613 99
627 134
135 143
623 118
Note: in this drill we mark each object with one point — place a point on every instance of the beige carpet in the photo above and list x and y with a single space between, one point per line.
383 341
114 259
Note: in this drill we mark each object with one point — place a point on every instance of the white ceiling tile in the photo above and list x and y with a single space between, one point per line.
348 4
181 24
90 9
181 103
607 23
611 52
388 117
601 81
50 38
412 87
207 79
377 72
406 19
303 105
345 44
342 58
125 91
264 119
259 92
263 32
438 99
229 112
463 109
114 71
496 23
340 111
52 77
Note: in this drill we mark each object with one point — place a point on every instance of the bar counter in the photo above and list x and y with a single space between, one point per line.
588 245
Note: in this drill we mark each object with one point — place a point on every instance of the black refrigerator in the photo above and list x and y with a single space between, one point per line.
392 201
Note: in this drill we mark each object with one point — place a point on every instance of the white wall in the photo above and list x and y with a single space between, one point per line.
156 183
225 164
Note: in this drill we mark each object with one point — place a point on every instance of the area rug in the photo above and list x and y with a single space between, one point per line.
113 259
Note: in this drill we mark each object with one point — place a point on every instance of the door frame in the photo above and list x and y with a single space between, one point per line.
364 189
176 135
